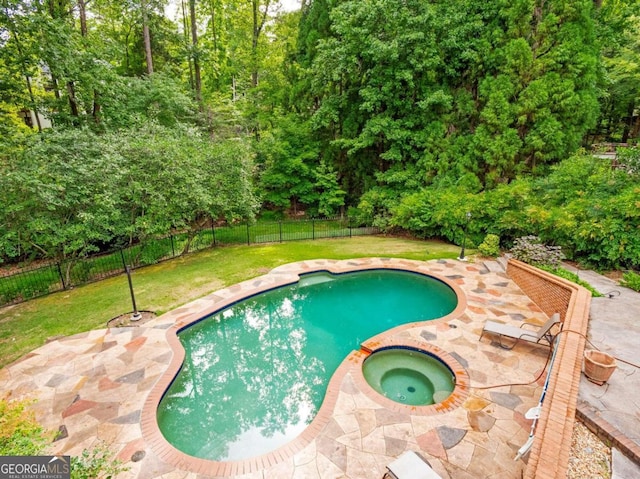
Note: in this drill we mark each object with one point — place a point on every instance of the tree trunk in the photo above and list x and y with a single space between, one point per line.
96 107
33 103
194 44
636 127
95 110
254 44
629 121
71 93
185 29
62 10
83 17
25 72
214 30
54 84
146 38
259 19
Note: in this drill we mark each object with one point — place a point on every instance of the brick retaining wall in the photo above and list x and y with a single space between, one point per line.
549 457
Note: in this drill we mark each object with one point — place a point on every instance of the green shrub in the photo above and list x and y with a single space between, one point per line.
631 280
270 215
95 463
629 159
530 250
574 278
81 272
20 433
490 246
583 205
154 251
10 292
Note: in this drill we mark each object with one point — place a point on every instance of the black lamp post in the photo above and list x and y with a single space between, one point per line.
136 316
464 237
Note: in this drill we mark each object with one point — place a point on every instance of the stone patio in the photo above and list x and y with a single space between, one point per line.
93 388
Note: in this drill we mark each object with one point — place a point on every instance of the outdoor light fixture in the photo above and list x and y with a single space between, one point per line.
464 237
136 316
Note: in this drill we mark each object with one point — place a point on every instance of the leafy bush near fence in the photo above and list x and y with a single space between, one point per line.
80 272
155 251
61 209
27 285
584 204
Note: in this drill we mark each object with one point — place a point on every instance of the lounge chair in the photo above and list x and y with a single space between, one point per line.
411 466
542 335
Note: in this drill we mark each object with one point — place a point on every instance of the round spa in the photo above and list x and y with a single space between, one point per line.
409 375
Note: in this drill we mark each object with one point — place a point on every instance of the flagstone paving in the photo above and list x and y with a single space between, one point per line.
92 387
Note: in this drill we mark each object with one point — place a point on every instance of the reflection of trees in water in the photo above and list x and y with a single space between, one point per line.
251 373
252 359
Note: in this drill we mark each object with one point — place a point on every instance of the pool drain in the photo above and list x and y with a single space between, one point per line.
411 389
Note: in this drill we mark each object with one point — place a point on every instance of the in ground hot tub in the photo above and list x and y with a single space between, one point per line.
409 375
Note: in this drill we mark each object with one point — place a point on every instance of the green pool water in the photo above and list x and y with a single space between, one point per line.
408 376
255 374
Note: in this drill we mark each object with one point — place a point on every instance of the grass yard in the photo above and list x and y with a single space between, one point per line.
165 286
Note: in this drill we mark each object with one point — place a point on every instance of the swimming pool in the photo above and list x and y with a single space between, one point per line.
255 373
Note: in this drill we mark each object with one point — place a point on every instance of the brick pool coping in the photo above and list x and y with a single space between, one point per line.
279 277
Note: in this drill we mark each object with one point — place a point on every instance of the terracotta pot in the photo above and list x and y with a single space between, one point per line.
598 366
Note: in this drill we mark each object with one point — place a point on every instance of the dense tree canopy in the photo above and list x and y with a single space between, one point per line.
418 92
124 120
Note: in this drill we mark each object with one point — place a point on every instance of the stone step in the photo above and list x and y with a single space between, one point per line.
494 266
503 260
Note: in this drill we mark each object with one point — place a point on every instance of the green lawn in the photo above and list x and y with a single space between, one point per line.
165 286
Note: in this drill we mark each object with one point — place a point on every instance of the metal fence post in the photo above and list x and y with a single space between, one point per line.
124 263
313 229
248 238
173 248
280 227
213 232
64 286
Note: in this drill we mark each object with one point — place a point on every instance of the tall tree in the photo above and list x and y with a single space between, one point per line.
19 56
146 37
259 11
82 12
618 28
197 85
415 92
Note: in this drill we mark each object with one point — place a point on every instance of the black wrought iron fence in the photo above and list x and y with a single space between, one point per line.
32 282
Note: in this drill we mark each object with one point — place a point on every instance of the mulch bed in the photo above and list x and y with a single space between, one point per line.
124 320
